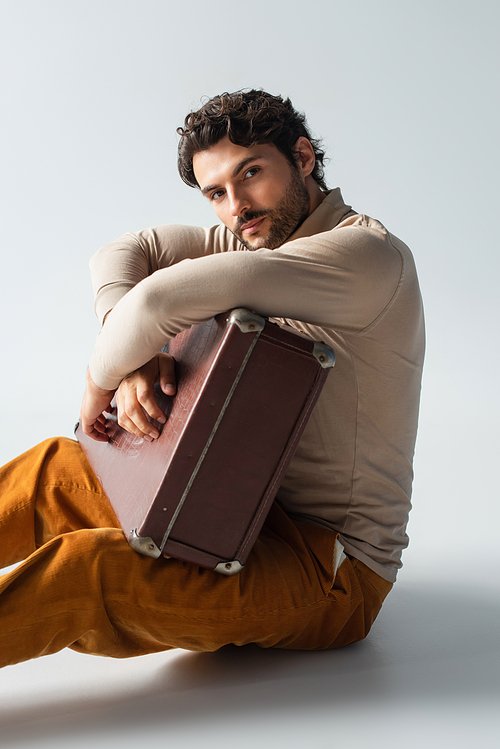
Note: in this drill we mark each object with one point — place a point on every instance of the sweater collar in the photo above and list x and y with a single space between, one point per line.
330 212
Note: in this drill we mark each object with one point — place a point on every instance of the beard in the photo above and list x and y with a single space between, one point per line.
284 218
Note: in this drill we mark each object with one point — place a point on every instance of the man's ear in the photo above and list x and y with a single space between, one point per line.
304 155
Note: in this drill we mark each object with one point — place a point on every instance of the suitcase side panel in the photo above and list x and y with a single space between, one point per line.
129 469
187 467
275 482
254 447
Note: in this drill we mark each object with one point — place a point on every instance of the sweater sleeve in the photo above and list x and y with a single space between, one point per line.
120 265
341 279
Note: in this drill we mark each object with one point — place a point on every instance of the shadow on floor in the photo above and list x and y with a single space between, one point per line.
428 642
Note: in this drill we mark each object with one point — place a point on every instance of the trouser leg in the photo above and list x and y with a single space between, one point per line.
48 490
84 587
90 591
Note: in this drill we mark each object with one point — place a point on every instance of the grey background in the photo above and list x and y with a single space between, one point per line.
405 95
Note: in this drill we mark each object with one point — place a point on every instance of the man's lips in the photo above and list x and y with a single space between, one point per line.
252 226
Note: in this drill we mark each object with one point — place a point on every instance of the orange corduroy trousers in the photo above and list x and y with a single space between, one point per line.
82 586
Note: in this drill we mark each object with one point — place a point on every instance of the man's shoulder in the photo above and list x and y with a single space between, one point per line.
356 237
339 223
340 228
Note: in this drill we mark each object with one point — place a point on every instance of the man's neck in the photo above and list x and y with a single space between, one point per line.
316 195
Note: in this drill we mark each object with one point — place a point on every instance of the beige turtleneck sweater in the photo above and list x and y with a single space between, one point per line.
341 278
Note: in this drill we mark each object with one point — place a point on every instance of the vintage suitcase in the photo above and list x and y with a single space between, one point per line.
202 490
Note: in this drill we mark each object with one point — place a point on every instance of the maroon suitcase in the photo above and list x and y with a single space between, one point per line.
202 490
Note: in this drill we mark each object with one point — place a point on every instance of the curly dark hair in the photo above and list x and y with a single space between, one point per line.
247 118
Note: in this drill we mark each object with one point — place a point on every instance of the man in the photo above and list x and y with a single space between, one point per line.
331 546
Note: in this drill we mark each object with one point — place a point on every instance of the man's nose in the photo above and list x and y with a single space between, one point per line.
238 203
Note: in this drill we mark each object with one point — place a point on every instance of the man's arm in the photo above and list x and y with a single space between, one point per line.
120 265
134 399
315 280
342 279
115 269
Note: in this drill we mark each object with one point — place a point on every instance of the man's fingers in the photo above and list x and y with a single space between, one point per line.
95 430
98 436
135 397
95 401
166 371
147 400
132 417
131 426
99 427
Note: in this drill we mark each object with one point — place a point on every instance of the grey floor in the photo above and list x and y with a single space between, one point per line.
428 675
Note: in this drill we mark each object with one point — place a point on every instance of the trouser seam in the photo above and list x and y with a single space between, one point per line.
14 509
48 618
62 484
246 616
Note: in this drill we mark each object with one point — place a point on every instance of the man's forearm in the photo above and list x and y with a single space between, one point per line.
316 280
122 264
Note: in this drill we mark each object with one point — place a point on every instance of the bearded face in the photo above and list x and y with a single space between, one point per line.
281 220
256 192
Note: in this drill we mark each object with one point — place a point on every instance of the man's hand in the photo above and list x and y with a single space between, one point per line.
95 401
135 397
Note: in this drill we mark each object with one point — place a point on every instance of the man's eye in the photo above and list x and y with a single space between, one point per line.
251 172
216 195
